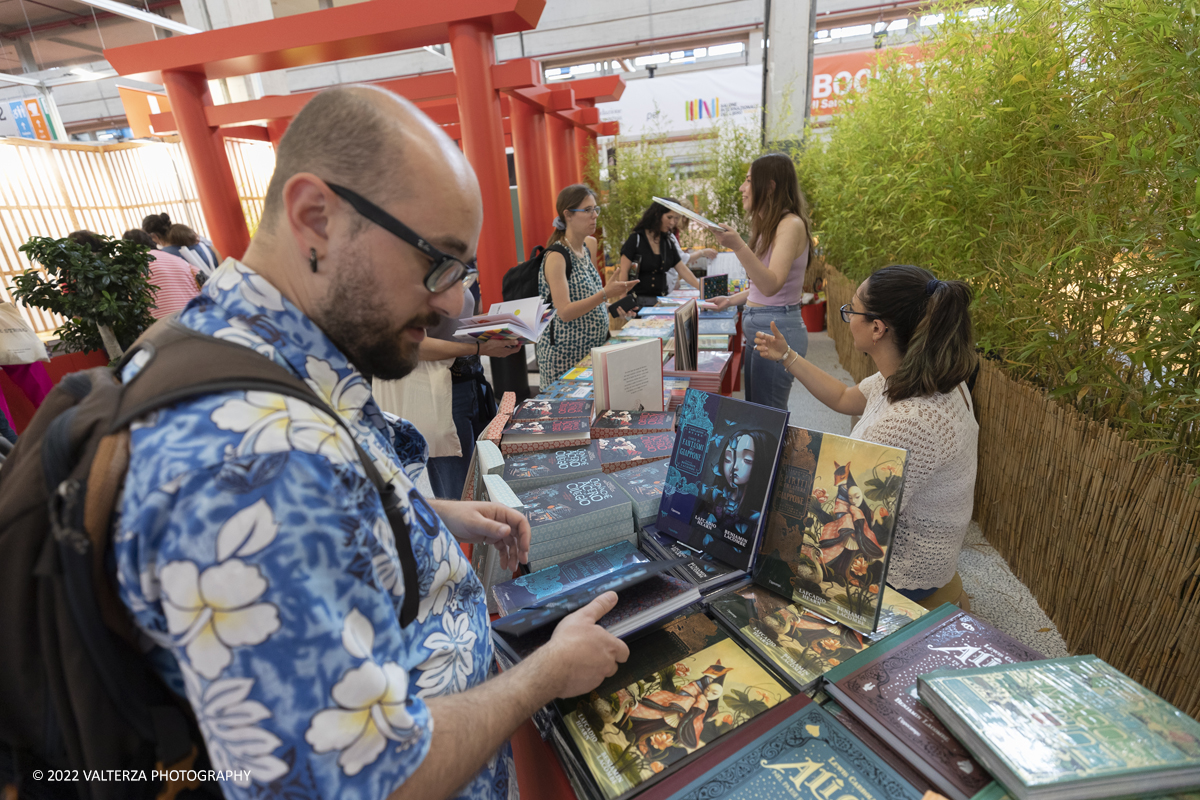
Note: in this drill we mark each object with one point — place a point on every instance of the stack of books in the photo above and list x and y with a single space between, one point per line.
608 424
575 517
525 471
540 424
644 486
709 372
650 328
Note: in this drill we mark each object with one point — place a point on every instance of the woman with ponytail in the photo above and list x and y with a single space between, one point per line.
917 330
775 261
569 281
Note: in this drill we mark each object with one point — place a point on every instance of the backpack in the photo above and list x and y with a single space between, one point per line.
77 694
522 280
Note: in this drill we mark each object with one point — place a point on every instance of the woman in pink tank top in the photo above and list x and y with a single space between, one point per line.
775 261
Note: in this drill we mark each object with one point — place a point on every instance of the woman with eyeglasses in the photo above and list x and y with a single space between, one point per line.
917 329
775 261
569 280
654 249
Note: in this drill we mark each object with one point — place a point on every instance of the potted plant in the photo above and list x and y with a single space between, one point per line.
104 295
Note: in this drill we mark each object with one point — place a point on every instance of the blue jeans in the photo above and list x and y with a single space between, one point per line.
766 382
471 401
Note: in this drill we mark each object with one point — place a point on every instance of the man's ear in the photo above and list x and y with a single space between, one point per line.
307 202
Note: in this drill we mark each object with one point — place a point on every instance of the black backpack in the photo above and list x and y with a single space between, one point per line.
522 280
77 695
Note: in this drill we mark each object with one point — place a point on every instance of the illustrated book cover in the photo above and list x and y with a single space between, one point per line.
612 422
535 408
631 734
622 452
720 476
1067 728
527 589
802 645
644 485
529 435
829 531
808 755
714 286
879 686
525 471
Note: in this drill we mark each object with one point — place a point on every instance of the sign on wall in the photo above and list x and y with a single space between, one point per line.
31 122
834 76
687 103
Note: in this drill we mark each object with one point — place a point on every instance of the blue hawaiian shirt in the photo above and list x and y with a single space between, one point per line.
255 556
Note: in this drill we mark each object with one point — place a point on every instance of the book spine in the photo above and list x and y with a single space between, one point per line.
536 564
590 537
533 447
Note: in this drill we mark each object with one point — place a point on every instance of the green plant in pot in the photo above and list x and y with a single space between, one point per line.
105 295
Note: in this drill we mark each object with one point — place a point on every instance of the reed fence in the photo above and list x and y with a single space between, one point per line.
1105 535
53 188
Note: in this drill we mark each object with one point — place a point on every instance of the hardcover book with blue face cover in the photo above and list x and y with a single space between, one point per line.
720 475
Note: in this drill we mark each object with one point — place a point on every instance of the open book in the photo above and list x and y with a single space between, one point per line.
519 321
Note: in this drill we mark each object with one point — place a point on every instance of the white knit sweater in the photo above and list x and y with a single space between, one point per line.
942 439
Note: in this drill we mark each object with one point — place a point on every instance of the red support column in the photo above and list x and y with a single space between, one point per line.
276 128
483 141
533 172
205 147
562 156
585 145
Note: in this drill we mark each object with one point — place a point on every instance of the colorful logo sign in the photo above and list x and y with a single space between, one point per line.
31 122
699 109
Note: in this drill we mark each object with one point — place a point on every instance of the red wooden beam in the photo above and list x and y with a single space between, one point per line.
331 34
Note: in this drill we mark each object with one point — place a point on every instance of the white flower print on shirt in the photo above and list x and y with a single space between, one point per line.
452 568
346 396
372 705
449 669
215 610
274 423
228 721
255 289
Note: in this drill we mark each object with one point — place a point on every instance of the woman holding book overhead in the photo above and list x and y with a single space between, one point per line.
775 261
917 330
569 281
653 248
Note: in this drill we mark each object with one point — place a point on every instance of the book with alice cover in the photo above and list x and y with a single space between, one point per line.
559 578
644 486
633 732
642 605
523 436
1067 728
525 471
829 532
802 645
608 424
879 687
624 452
705 572
571 515
876 746
537 408
808 755
720 476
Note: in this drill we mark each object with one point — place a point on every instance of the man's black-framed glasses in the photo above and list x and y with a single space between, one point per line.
847 311
446 270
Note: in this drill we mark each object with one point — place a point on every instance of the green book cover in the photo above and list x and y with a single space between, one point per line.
891 642
1073 727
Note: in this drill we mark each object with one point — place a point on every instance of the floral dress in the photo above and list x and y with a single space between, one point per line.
575 339
256 558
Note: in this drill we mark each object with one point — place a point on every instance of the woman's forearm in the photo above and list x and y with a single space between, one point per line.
739 299
823 386
574 310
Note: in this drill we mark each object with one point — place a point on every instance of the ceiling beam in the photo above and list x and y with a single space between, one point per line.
129 12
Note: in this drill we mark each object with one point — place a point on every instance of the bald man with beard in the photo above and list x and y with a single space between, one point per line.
253 551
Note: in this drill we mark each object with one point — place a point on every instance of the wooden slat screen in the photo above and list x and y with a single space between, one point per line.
53 188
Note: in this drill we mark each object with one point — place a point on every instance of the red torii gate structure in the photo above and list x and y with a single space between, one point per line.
551 126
